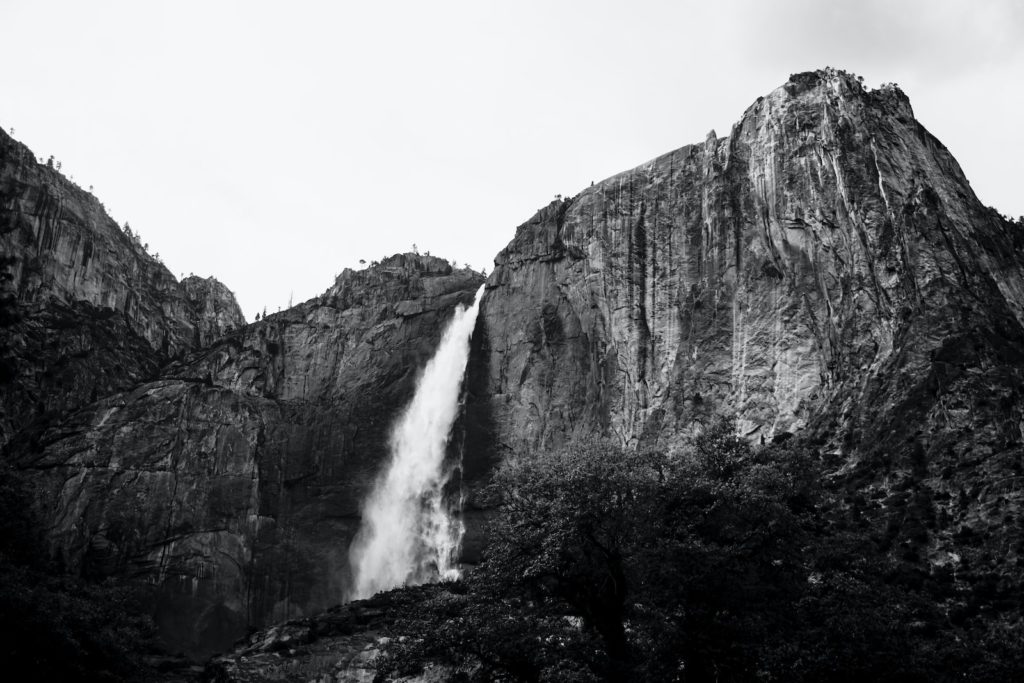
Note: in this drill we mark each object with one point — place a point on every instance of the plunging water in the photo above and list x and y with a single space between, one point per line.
409 534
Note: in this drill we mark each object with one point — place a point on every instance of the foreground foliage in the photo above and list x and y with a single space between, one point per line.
724 563
55 627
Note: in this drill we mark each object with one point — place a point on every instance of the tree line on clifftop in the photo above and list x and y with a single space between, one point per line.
726 562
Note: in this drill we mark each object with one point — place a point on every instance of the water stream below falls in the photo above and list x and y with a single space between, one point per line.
410 533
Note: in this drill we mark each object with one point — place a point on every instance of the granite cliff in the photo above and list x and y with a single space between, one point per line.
777 273
89 311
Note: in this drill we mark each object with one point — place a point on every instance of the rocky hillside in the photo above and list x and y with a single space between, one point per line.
232 482
87 310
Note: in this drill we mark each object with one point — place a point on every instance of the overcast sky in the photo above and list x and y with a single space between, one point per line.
273 144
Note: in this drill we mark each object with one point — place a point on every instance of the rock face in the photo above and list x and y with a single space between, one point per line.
341 644
825 269
762 273
211 309
232 483
168 444
92 312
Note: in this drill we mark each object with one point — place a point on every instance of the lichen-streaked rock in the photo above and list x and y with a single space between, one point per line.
232 483
763 273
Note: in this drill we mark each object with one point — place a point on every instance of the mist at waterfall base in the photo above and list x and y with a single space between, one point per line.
410 534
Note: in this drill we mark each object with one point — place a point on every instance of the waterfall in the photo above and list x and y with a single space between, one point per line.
408 534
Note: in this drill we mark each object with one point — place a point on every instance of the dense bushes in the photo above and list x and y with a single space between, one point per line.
55 627
723 563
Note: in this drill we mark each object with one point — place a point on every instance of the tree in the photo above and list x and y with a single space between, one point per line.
654 553
716 562
667 542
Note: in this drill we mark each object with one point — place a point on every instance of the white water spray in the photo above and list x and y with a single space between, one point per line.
408 534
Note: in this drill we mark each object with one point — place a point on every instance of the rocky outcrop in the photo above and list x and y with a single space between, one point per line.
340 644
232 483
825 269
90 311
211 308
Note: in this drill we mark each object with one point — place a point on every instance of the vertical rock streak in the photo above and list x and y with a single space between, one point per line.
408 534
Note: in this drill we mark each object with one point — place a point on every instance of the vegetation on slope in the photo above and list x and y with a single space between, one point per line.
58 627
724 563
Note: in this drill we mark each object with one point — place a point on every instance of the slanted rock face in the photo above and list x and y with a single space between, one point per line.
765 274
211 308
826 269
92 311
233 483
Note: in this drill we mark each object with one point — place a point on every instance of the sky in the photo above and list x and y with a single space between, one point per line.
274 144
